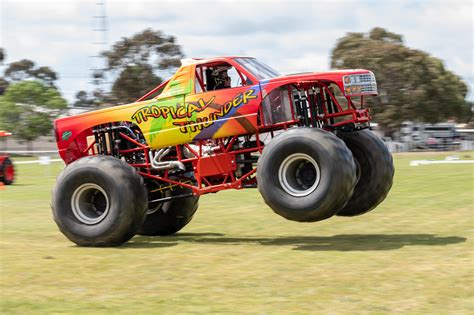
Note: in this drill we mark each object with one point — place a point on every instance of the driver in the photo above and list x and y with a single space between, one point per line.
221 78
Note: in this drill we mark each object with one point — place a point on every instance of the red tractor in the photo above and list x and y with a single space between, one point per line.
220 123
7 171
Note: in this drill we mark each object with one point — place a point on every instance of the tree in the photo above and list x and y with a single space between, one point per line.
83 99
28 108
32 126
134 62
26 69
412 84
9 114
3 83
45 75
20 70
133 82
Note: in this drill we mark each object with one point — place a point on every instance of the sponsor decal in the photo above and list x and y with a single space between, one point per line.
66 135
178 112
186 112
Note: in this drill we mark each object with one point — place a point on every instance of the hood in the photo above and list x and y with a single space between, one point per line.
335 75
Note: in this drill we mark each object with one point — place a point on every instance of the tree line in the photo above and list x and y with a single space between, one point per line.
29 99
412 84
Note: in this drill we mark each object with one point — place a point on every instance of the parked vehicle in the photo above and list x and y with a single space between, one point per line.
7 170
433 136
220 123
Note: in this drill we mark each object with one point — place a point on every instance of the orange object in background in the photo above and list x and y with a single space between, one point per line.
7 170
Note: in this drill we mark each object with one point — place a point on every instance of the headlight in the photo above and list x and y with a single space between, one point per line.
360 84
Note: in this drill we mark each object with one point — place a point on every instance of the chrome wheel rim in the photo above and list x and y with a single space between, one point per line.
90 204
299 174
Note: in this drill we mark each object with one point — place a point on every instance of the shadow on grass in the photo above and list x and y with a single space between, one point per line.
162 241
344 242
155 243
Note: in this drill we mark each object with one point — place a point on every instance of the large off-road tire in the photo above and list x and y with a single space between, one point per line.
169 217
306 175
8 172
375 171
99 201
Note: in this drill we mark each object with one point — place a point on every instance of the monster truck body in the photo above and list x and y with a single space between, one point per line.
196 135
181 113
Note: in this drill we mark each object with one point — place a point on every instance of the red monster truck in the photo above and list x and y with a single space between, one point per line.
220 123
7 171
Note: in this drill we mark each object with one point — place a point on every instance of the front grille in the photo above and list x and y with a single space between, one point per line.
357 84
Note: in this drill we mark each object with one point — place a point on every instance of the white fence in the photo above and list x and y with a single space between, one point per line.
464 145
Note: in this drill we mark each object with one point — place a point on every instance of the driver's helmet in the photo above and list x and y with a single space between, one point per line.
221 77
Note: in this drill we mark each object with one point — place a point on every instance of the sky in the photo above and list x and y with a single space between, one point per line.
291 36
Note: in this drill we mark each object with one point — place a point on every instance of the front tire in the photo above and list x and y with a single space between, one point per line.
375 168
306 175
99 201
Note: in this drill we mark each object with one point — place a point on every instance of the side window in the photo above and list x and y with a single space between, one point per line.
217 77
197 84
236 78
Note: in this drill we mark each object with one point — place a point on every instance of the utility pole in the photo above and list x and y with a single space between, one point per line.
100 30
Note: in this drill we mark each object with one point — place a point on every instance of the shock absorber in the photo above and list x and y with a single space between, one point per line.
301 108
312 107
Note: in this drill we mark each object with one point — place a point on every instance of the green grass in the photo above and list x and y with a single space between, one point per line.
414 254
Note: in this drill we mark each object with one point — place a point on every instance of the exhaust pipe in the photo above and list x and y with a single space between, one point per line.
157 164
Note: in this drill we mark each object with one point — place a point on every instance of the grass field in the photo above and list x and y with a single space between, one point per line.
414 254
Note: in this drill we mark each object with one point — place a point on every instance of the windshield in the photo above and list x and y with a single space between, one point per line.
260 70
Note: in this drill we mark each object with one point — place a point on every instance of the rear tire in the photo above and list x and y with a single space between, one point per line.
99 201
375 169
306 175
168 217
8 171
